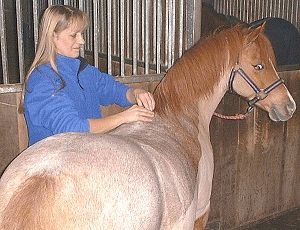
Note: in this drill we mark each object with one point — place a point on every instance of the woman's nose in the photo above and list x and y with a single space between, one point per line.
80 39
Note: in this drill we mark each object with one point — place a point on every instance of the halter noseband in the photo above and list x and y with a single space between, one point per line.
260 94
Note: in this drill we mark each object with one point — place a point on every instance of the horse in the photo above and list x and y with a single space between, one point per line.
146 175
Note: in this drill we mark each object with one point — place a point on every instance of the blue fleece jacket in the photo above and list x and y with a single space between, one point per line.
51 109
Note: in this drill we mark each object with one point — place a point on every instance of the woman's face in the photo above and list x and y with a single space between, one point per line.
68 42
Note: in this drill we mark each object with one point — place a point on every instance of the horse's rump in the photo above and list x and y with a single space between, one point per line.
28 204
98 179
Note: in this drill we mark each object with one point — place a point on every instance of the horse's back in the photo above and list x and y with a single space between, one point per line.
86 181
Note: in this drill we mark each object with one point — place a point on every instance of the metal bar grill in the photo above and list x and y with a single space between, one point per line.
249 11
125 37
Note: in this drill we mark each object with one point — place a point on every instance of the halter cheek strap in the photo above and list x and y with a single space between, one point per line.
259 94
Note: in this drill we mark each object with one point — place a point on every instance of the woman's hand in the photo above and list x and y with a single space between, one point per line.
142 98
137 113
134 113
143 111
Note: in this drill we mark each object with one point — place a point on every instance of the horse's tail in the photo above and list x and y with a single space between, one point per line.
30 206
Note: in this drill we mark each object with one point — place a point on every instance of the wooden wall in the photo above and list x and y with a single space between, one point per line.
257 161
13 132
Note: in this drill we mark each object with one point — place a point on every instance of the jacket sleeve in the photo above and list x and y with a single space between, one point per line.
110 90
51 108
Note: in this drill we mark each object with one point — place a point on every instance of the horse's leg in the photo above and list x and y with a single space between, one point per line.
200 223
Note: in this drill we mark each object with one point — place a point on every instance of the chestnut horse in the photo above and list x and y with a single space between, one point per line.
154 175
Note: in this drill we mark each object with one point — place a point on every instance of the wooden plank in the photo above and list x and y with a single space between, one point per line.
8 130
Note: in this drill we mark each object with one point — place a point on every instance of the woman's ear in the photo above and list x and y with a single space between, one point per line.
55 36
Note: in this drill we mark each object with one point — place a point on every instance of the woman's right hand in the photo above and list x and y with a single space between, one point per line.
134 113
137 113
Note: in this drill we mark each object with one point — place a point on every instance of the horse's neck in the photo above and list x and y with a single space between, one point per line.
207 105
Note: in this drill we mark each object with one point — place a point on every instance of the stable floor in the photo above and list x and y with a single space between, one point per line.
287 221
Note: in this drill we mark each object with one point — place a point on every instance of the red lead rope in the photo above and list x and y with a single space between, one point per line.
231 117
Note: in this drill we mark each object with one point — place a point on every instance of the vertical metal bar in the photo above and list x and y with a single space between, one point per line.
80 6
173 24
147 9
193 18
3 44
102 26
166 19
67 2
240 10
122 37
250 10
242 7
96 33
270 8
109 37
291 7
223 7
296 15
134 37
142 32
264 10
158 36
283 10
20 40
115 28
35 23
169 34
288 11
128 29
154 29
180 32
254 15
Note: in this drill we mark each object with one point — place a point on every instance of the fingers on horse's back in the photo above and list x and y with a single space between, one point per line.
28 204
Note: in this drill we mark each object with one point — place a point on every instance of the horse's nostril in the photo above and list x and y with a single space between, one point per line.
291 107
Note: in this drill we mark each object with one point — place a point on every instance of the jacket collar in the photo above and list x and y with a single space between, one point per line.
73 64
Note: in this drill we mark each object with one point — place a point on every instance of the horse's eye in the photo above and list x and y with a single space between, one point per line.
258 67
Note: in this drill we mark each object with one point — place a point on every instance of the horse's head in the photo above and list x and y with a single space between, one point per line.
255 78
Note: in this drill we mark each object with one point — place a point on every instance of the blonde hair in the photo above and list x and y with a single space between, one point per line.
55 19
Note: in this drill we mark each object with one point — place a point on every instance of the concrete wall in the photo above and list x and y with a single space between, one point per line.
257 161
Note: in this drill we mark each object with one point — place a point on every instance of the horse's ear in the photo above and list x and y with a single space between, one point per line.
252 36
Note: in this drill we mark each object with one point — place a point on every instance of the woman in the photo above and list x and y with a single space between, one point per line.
63 93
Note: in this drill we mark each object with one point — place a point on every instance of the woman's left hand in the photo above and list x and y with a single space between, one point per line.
144 99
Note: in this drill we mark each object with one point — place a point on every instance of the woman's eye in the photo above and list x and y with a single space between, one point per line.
258 67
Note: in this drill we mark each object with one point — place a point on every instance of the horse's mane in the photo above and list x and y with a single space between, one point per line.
200 68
